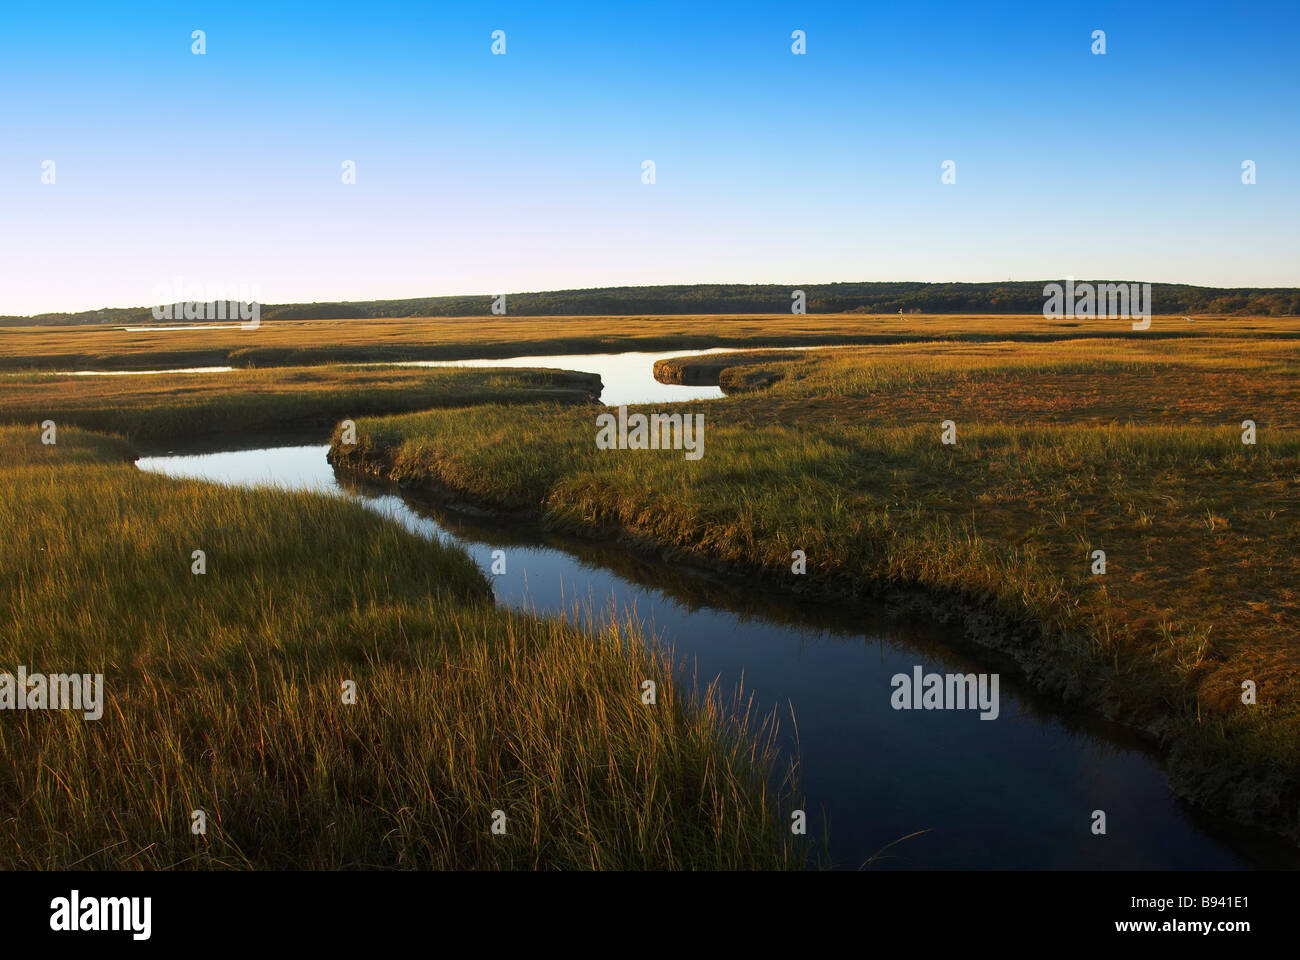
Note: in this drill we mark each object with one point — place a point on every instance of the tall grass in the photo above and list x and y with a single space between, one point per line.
225 694
1202 380
305 343
163 408
842 458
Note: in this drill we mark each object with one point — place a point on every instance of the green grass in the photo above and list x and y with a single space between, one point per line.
1062 449
163 408
223 693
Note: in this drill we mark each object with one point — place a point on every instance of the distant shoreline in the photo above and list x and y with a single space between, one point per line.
1006 297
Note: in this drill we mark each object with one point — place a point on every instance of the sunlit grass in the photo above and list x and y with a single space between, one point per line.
307 342
179 407
224 694
1062 449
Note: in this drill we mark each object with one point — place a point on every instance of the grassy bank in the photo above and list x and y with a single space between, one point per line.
1200 381
308 342
223 693
161 408
1062 449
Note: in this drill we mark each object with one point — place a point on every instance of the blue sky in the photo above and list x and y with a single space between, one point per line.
481 174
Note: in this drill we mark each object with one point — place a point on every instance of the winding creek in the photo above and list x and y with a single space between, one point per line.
1012 793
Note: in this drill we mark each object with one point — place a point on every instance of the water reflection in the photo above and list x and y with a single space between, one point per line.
628 377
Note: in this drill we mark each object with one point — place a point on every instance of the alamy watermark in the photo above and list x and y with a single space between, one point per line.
75 913
56 691
1105 301
953 691
655 431
181 301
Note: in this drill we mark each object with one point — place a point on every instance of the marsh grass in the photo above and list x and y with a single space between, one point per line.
310 342
163 408
1136 451
223 693
1206 380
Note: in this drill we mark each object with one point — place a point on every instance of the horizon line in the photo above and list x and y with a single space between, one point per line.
659 286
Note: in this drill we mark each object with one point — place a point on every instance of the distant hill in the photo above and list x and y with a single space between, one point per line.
740 298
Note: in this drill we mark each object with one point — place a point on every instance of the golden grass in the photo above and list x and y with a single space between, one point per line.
1133 448
307 342
170 407
224 694
1211 380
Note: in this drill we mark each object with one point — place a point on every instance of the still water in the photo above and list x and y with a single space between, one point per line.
1015 792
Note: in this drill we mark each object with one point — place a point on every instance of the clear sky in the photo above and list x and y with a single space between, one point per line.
478 173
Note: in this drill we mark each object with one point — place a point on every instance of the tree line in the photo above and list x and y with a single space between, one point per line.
742 298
